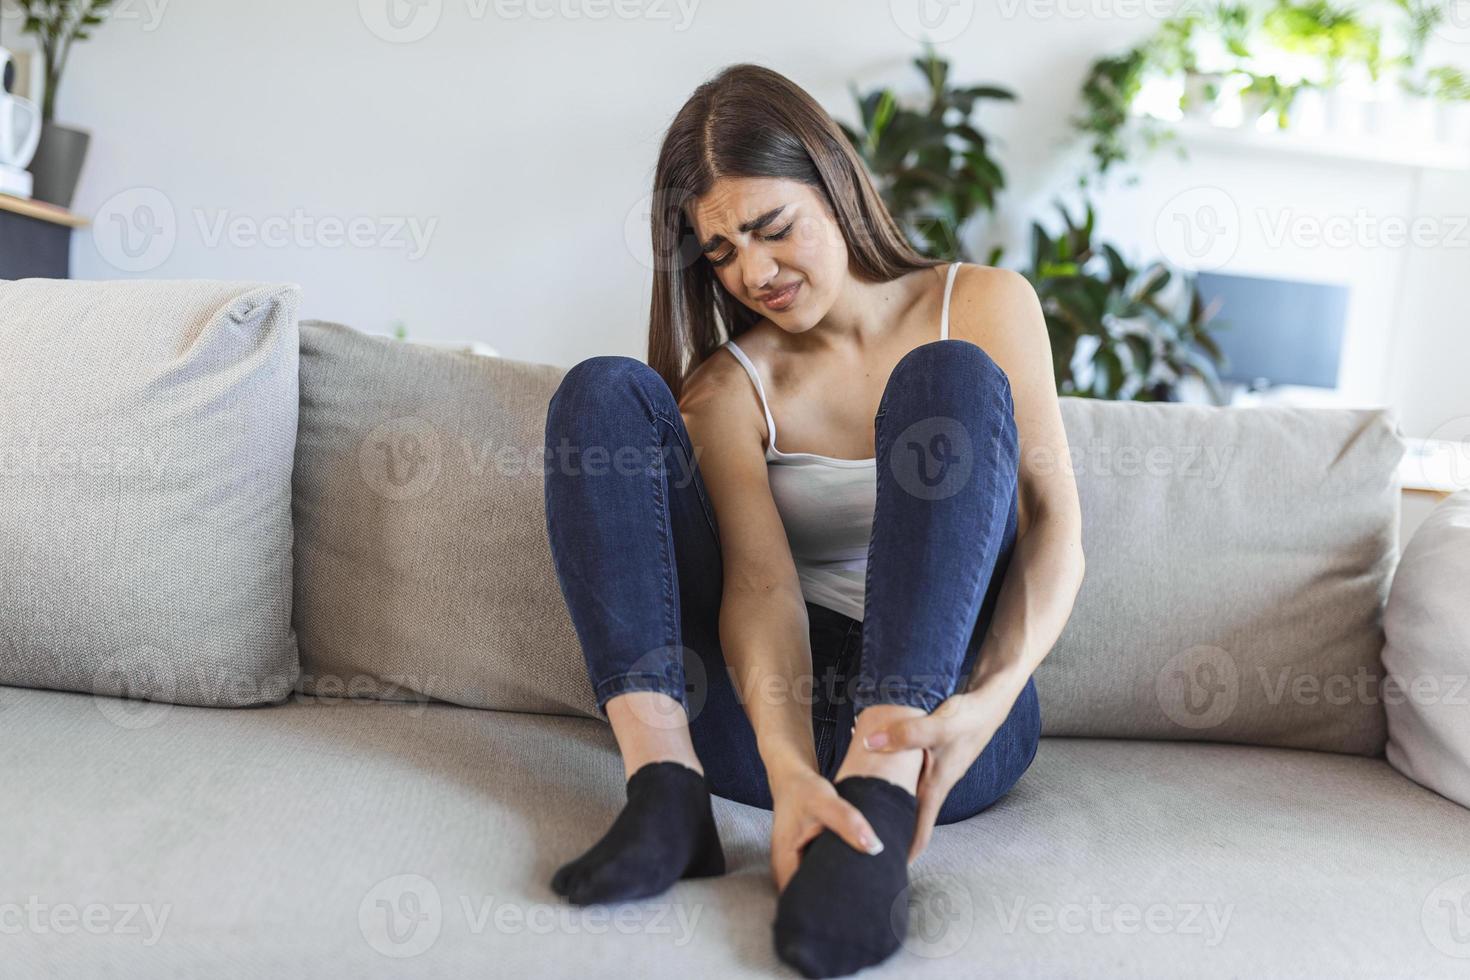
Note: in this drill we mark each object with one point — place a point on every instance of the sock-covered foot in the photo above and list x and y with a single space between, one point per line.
836 915
665 832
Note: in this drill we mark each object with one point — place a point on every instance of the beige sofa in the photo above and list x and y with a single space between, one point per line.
1211 799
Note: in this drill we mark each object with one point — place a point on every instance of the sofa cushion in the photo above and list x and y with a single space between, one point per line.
1244 551
147 431
1238 560
1427 655
367 839
422 562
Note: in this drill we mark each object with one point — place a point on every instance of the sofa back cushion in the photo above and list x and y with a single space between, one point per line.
1427 654
1238 561
422 563
147 432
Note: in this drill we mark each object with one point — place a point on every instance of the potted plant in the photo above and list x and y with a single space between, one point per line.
57 25
931 163
1117 331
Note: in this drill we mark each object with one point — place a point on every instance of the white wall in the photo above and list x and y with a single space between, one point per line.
521 147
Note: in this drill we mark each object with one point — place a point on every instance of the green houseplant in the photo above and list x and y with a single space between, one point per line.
57 25
1118 331
932 164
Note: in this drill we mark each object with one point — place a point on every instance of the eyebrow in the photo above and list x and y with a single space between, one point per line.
754 224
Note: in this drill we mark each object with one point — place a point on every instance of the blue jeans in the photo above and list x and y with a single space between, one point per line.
636 548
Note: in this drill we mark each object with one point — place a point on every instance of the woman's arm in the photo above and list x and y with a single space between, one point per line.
999 311
764 632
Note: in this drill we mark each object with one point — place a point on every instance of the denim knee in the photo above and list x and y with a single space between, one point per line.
949 369
587 387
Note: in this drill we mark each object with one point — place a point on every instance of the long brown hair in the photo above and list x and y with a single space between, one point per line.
749 121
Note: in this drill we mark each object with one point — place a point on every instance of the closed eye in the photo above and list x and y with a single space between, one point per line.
774 237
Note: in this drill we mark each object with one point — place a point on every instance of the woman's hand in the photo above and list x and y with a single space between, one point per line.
806 803
952 736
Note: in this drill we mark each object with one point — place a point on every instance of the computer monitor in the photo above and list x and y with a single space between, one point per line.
1276 332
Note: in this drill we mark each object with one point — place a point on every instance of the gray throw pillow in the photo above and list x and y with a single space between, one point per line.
1238 561
1428 654
145 472
422 562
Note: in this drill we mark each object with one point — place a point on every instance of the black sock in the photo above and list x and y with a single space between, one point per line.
836 915
665 832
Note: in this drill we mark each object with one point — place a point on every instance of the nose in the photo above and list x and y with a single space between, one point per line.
757 269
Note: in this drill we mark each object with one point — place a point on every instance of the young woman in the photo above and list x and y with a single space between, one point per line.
849 545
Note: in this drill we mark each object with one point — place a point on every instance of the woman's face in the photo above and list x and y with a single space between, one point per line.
774 245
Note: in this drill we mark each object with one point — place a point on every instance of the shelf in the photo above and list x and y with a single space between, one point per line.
1382 150
41 211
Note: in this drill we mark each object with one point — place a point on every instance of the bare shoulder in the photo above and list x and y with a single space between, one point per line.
988 298
998 310
719 404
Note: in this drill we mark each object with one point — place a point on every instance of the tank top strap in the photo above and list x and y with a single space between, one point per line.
948 288
760 391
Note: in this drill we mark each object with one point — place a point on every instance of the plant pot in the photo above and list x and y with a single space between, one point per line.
57 165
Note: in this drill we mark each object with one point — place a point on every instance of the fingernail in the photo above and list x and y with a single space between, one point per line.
873 846
875 741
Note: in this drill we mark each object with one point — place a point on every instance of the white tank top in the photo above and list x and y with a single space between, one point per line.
826 505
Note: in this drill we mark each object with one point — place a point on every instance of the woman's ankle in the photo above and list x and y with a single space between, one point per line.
900 767
651 727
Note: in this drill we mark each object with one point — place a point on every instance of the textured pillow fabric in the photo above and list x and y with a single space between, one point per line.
422 563
1238 560
1428 654
147 432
